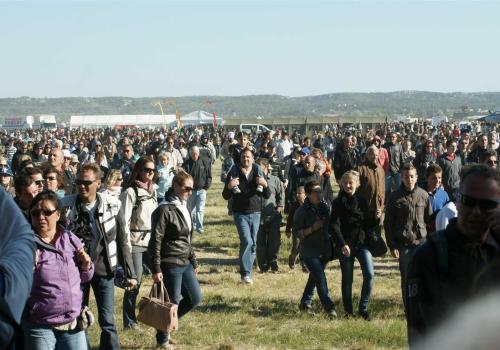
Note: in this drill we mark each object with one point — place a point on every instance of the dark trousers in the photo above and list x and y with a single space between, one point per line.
405 256
130 296
317 279
268 241
104 292
183 289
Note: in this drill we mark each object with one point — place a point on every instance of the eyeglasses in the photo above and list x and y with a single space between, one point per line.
50 178
39 182
85 183
187 189
45 212
484 204
148 170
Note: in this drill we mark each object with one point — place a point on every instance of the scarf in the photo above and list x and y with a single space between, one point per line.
148 186
322 211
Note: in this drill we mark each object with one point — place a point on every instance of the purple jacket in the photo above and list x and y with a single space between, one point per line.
56 296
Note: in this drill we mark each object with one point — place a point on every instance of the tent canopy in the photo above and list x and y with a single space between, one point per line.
142 120
200 117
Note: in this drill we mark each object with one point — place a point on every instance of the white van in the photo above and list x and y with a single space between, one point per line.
258 128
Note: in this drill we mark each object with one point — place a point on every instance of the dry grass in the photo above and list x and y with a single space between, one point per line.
265 315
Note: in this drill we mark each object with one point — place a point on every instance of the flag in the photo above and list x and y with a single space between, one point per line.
215 121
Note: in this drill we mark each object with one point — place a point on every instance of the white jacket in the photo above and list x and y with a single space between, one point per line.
136 223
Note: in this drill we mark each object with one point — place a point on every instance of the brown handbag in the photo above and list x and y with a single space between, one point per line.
157 311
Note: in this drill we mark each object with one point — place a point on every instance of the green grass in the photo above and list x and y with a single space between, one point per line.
265 315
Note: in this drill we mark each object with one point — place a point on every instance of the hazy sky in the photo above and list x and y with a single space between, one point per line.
235 48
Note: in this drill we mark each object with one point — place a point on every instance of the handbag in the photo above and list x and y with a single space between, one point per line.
85 319
375 243
157 311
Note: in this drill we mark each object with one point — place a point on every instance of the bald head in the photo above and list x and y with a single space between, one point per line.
56 158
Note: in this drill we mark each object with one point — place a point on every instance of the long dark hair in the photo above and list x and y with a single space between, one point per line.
138 166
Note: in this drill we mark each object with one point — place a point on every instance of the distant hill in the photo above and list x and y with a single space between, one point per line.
415 103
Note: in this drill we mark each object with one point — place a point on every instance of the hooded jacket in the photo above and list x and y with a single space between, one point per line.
56 296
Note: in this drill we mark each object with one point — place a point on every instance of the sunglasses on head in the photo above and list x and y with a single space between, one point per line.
148 170
45 212
86 183
484 204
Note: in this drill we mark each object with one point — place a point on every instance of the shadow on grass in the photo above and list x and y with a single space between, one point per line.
227 220
219 261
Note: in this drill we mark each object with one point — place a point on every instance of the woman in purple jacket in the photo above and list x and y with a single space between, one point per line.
61 265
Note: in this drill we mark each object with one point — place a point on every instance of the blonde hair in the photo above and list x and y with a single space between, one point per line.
113 175
351 174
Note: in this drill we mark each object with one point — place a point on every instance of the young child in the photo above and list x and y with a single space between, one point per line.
349 223
438 197
243 142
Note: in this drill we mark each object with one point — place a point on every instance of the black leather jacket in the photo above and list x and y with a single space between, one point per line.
170 242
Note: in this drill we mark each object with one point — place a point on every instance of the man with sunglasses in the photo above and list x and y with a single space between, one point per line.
28 183
489 158
126 163
443 272
95 218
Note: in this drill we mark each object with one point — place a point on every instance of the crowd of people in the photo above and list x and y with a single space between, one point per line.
100 208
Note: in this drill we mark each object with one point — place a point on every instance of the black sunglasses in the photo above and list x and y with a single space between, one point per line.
187 189
148 170
45 212
39 182
86 183
484 204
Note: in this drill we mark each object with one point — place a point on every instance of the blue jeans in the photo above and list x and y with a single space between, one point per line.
104 292
268 242
405 256
183 289
130 296
38 337
347 267
317 278
392 182
197 205
247 225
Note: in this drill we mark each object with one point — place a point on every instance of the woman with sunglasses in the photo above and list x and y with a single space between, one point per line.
55 302
173 257
138 203
54 181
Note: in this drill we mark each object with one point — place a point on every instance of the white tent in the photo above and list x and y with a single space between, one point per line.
139 120
200 117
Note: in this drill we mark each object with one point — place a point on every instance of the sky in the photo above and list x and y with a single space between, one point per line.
139 49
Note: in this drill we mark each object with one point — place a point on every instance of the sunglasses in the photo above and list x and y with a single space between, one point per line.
86 183
119 179
39 182
148 170
484 204
187 189
45 212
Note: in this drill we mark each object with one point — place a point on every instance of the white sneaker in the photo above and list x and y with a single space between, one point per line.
247 280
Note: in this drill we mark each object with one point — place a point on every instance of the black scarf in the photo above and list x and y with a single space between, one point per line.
322 211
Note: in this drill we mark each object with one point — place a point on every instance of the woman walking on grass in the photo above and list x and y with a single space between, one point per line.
349 222
174 260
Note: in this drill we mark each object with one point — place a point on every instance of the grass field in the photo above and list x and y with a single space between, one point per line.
265 315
